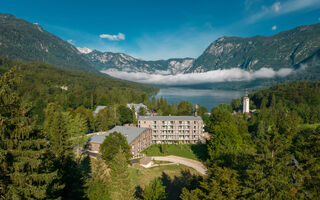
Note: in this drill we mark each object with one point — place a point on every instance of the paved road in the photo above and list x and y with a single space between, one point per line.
184 161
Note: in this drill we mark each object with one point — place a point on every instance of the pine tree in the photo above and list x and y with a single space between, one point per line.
97 184
57 131
23 149
155 190
70 181
134 117
269 175
120 183
223 183
77 128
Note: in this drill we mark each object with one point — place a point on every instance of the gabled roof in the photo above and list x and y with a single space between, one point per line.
168 118
136 106
98 109
130 132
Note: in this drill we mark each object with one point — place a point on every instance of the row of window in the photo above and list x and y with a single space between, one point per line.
180 137
173 122
175 132
172 127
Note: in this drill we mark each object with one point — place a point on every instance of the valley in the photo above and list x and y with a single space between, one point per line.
238 120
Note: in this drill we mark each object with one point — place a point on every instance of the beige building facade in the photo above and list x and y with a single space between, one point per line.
173 129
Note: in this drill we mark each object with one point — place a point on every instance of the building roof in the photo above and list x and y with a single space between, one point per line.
145 160
130 132
136 106
170 118
98 109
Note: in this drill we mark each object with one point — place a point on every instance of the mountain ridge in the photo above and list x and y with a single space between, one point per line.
286 49
282 50
292 49
119 61
25 41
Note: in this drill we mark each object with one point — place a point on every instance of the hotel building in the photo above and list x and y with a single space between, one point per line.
173 129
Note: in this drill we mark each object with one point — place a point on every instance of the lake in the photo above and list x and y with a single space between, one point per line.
205 97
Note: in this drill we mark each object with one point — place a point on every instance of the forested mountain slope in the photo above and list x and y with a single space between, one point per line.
24 41
42 83
283 50
303 97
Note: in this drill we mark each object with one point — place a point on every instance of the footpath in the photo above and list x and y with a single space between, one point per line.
198 166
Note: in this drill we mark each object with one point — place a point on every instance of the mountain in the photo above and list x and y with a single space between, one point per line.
25 41
104 61
284 50
288 49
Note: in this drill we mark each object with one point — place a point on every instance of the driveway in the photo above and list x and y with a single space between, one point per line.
198 166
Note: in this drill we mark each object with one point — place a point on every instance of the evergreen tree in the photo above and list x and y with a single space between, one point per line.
77 129
185 108
222 184
142 111
97 183
225 140
269 175
24 173
105 119
112 145
155 190
308 170
120 183
190 195
125 115
134 117
59 132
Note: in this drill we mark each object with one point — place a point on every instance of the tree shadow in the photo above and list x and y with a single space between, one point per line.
75 178
138 192
85 165
200 150
174 186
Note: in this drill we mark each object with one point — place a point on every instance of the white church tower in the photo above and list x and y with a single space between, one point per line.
246 104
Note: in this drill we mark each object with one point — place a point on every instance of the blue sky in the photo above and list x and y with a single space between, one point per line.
161 29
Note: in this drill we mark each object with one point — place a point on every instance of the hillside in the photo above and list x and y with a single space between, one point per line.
42 83
284 50
24 41
303 97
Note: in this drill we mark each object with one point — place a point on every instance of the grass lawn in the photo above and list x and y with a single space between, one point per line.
142 176
174 177
192 151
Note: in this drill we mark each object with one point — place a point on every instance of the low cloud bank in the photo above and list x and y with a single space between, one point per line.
225 75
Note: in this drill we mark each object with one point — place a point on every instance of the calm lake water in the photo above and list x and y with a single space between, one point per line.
205 97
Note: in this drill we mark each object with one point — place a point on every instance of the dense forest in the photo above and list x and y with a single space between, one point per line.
303 97
272 153
41 83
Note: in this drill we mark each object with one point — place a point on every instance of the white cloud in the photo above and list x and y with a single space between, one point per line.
234 74
120 36
276 6
84 50
282 8
71 42
274 27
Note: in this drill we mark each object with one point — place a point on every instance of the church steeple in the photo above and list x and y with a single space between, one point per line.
246 103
